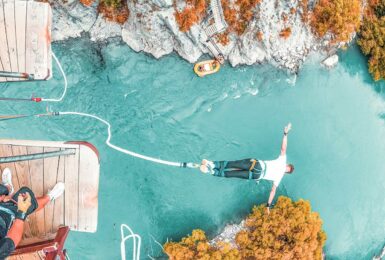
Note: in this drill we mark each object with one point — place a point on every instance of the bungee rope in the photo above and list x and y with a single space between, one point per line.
65 83
115 147
125 151
108 143
39 99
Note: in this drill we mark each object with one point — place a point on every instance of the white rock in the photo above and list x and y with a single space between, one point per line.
228 234
331 61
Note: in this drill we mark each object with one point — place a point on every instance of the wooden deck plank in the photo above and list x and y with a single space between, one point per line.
29 256
71 194
31 39
88 194
36 172
32 256
50 173
58 214
4 55
20 14
22 172
9 13
2 79
38 143
48 37
34 240
36 40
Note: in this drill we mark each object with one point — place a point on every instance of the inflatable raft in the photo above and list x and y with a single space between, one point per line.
207 67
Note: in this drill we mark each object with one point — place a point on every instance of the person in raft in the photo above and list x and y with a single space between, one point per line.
255 169
15 208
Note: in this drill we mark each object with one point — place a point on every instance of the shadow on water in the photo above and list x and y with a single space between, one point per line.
356 64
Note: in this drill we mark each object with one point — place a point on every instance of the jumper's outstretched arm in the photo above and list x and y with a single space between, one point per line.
284 139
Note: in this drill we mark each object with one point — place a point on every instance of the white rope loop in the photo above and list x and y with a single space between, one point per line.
65 83
136 240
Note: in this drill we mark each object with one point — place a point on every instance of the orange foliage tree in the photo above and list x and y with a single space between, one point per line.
285 33
371 38
87 2
114 10
290 231
341 18
191 14
197 246
239 16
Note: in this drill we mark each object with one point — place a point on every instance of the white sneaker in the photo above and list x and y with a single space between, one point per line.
57 191
6 180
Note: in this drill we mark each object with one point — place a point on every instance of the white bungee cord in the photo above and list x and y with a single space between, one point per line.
115 147
65 83
125 151
136 241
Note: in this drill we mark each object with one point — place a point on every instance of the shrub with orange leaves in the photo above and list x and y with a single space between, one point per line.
191 14
290 231
197 246
341 18
237 16
285 33
223 38
114 10
87 2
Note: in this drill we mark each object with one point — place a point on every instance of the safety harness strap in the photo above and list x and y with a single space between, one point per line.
253 163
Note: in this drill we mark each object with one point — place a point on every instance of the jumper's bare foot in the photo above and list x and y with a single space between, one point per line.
203 166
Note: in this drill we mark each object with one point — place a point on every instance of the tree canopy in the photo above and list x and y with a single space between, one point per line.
340 18
290 231
371 38
192 14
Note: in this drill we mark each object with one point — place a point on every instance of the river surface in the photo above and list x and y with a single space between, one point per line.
160 108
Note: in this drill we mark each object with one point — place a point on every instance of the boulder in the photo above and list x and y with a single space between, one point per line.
331 61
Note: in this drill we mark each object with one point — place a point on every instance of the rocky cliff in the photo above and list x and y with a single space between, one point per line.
152 28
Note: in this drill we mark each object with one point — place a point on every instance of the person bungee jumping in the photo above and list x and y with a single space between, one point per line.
14 209
250 168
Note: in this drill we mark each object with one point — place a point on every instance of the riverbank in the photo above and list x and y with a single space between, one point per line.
151 27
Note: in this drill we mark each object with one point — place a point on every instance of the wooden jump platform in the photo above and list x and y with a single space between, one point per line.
25 40
76 209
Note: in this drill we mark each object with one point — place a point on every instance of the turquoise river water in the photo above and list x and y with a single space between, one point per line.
160 108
